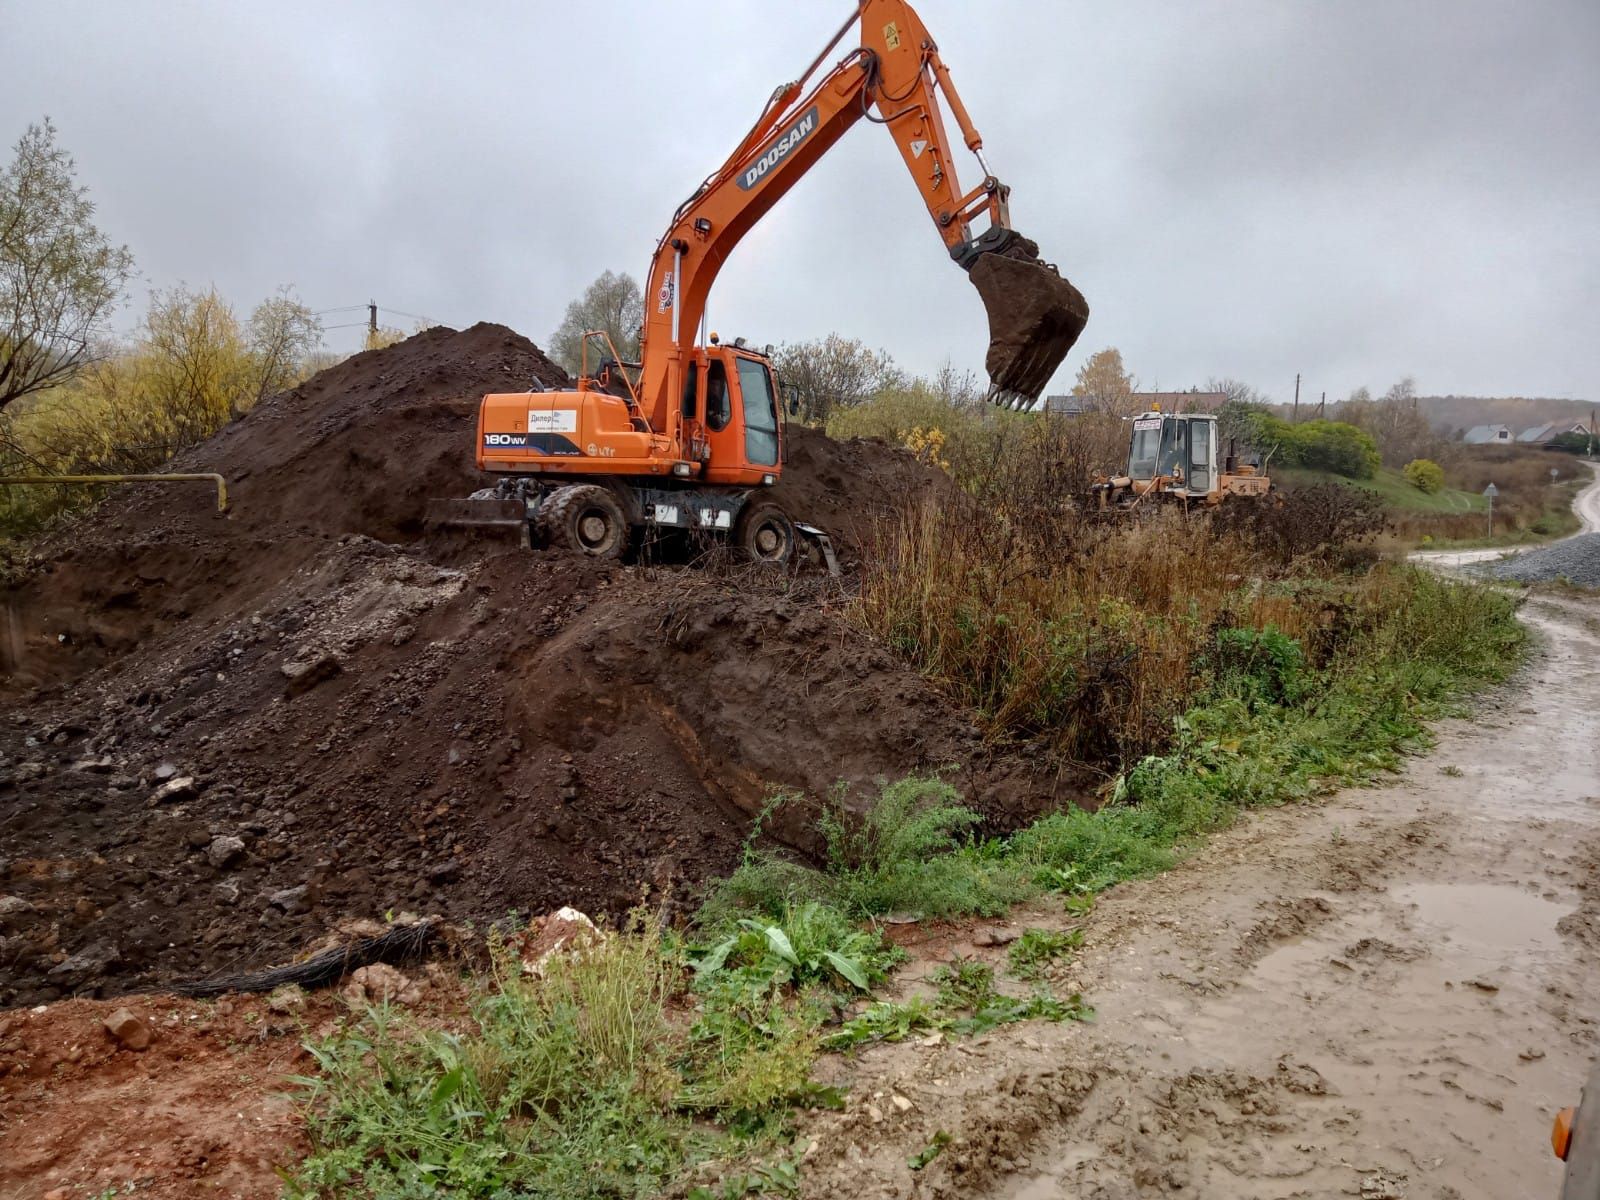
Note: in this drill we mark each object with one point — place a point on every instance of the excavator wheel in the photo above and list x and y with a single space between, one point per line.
585 519
764 534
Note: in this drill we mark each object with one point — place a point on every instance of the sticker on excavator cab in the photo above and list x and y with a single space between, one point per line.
891 36
1147 423
554 420
778 149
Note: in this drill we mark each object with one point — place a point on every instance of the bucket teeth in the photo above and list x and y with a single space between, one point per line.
1009 399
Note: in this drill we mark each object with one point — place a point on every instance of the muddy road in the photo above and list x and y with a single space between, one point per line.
1387 994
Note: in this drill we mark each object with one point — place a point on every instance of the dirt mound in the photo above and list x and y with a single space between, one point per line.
852 489
258 726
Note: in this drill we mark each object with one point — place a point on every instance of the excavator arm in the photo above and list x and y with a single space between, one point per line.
894 78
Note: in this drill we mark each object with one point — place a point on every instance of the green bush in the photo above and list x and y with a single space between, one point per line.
1333 446
1425 475
1260 666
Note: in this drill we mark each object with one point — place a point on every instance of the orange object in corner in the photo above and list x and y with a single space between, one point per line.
1561 1133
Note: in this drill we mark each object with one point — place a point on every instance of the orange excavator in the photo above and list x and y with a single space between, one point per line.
691 435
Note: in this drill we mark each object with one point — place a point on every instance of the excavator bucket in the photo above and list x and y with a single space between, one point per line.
1035 317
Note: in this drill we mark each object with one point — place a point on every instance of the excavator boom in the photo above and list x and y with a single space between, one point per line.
689 447
895 78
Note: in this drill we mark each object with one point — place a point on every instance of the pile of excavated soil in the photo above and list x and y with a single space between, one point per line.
221 737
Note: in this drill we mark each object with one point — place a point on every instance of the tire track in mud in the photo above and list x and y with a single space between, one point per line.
1387 994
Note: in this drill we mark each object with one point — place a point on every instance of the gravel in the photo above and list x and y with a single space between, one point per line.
1576 560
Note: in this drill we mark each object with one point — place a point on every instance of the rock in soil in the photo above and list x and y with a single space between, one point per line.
131 1030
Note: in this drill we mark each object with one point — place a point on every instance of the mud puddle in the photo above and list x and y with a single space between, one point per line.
1486 920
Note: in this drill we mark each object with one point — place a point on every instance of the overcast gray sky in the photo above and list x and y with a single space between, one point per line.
1353 190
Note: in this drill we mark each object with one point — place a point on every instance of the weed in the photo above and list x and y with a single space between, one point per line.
966 1004
1036 947
931 1151
809 943
909 851
1452 770
564 1086
884 1021
781 1178
963 983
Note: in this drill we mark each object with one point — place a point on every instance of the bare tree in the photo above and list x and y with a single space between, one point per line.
612 303
282 335
59 275
833 372
960 388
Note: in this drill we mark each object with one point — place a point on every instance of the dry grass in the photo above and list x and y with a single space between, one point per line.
1082 631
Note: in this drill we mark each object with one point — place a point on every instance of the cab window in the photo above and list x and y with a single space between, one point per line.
760 414
1145 446
690 398
719 411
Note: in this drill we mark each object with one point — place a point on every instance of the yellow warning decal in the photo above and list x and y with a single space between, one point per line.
891 35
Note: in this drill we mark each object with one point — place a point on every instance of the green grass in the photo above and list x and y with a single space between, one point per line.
562 1086
1390 486
908 852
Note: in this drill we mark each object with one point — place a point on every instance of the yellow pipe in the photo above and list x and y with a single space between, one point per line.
222 484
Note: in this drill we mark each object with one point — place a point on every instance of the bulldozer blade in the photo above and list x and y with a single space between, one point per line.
1035 317
480 517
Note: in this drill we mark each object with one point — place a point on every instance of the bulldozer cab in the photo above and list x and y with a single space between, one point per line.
1179 449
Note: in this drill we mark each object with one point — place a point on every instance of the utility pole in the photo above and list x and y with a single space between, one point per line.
1322 409
372 322
1295 415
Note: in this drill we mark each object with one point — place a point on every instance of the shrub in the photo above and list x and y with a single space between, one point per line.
1425 475
1333 446
1260 666
1326 524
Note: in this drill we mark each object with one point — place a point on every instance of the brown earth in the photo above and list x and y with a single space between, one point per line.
202 1112
387 721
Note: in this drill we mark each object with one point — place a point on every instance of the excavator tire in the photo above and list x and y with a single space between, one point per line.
585 519
764 534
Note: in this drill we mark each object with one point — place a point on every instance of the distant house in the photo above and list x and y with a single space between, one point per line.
1488 435
1202 402
1066 406
1543 435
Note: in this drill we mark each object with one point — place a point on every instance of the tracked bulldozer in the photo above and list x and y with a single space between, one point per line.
691 435
1173 458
